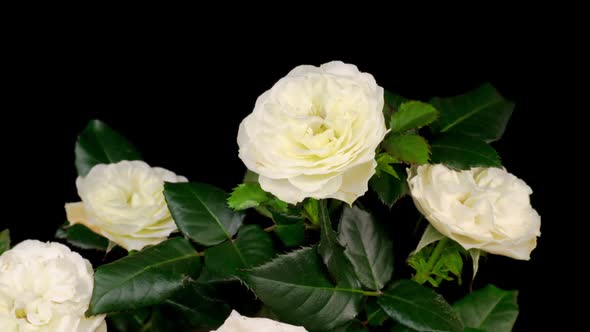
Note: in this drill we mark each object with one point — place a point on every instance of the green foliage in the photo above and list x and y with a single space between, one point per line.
376 316
252 247
437 262
311 208
201 212
145 278
296 288
99 144
247 195
388 188
489 309
384 161
82 237
129 321
463 152
4 240
353 326
289 227
367 247
412 115
419 308
391 105
410 148
481 113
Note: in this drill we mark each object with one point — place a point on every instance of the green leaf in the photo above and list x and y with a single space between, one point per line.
333 253
311 207
419 308
201 212
388 188
247 195
411 115
82 237
435 263
463 152
354 326
375 315
383 164
291 235
145 278
429 236
193 306
130 321
391 104
99 144
252 247
475 254
250 177
482 113
4 240
367 247
402 328
410 148
489 309
296 288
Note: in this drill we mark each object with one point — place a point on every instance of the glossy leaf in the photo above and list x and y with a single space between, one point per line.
354 326
252 247
391 103
376 316
82 237
419 308
296 288
463 152
144 278
367 247
481 113
4 240
247 195
489 309
410 148
201 213
384 162
388 188
412 115
129 321
99 144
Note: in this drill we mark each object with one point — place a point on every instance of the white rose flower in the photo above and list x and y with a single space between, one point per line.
125 203
482 208
237 323
314 133
46 287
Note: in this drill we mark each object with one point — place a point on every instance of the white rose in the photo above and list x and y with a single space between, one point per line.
482 208
237 323
125 203
46 287
314 133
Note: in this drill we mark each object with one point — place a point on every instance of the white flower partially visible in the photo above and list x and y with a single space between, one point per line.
125 203
46 287
237 323
314 133
482 208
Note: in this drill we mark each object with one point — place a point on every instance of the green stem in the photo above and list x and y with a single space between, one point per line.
422 277
369 293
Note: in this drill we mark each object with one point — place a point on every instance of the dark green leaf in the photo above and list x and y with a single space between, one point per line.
388 188
410 148
482 113
82 237
391 104
250 177
311 207
383 165
354 326
252 247
247 195
489 309
463 152
145 278
411 115
367 247
296 288
419 308
130 321
4 240
402 328
375 315
99 144
291 235
333 253
192 306
201 212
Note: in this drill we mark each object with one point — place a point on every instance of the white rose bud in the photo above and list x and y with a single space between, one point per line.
482 208
314 133
237 323
46 287
125 203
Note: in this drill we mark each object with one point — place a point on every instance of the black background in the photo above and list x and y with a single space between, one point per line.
181 99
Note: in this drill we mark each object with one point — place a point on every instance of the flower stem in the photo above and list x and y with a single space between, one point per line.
425 274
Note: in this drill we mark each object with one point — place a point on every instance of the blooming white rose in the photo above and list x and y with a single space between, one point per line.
314 133
483 208
46 287
237 323
125 203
